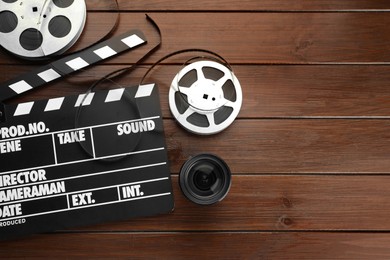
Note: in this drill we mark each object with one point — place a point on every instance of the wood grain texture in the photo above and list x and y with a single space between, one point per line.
279 38
276 203
269 91
255 245
245 5
290 146
258 38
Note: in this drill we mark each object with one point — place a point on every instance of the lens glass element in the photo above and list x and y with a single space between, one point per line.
204 177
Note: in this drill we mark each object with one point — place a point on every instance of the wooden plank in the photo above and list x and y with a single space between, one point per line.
290 146
277 38
256 245
269 91
302 91
245 5
281 202
280 38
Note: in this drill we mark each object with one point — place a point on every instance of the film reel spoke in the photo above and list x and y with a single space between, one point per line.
211 119
228 103
184 90
221 82
200 74
187 113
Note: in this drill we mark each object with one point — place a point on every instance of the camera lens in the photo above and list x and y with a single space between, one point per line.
205 179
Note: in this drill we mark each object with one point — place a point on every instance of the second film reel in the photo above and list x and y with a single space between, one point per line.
205 97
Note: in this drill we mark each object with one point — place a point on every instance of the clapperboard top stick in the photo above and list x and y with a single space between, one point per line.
71 64
75 62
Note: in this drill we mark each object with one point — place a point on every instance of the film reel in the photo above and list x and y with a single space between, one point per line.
205 97
34 29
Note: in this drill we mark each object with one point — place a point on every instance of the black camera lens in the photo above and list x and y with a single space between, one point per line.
205 179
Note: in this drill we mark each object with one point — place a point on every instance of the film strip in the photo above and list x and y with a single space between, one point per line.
49 182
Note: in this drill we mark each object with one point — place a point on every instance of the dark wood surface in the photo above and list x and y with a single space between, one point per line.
309 152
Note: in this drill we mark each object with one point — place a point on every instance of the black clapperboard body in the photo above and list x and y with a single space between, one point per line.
84 159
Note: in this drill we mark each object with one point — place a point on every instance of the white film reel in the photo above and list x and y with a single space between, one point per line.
38 28
205 97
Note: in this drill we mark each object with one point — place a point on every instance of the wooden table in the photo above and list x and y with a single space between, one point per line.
310 151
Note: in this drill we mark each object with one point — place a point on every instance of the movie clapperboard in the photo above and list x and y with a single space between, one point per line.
77 160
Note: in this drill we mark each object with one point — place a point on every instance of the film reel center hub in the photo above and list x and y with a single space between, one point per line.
34 28
204 95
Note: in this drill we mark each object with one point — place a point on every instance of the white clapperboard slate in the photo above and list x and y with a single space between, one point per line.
83 159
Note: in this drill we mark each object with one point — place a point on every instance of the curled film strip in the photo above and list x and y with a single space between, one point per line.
34 29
